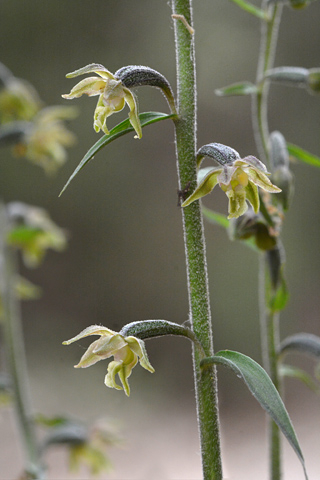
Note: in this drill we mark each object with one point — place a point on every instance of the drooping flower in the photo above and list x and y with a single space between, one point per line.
18 98
239 179
33 232
113 96
125 350
45 139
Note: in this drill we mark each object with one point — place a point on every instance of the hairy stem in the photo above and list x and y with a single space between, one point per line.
15 353
199 304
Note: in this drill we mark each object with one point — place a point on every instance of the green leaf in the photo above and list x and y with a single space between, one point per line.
278 299
248 7
301 342
262 388
122 128
50 421
303 155
242 88
23 234
299 374
214 217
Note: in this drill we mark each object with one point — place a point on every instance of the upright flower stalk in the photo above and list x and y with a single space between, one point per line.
269 35
269 321
199 304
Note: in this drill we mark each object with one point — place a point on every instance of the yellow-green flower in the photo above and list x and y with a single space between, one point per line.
125 350
113 96
239 179
18 100
33 232
46 139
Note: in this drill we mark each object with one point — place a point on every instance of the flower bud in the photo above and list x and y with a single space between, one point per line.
279 155
298 4
314 80
253 226
291 76
284 179
281 174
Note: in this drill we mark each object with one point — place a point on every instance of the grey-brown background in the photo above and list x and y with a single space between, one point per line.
125 259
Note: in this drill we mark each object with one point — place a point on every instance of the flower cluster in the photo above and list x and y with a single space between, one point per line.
125 350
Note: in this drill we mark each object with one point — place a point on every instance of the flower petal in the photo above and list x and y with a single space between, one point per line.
133 114
89 357
237 203
92 330
89 86
92 67
109 380
255 163
253 196
206 186
107 346
227 173
139 348
261 180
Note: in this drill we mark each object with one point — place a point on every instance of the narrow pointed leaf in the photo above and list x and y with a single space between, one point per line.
242 88
301 342
248 7
303 155
262 388
122 128
299 374
214 217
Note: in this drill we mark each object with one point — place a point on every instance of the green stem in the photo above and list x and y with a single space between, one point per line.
199 304
269 328
15 353
269 35
268 321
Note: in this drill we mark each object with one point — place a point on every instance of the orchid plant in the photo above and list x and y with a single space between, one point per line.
259 192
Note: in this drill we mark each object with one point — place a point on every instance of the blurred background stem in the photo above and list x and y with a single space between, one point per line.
15 354
269 322
269 332
268 43
198 291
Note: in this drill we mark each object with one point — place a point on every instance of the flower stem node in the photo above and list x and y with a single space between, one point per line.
125 350
238 178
